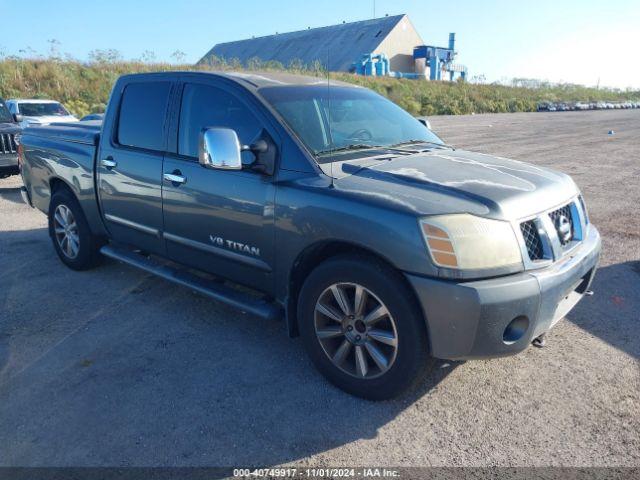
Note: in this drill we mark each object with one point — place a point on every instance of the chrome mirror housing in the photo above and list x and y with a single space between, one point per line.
219 148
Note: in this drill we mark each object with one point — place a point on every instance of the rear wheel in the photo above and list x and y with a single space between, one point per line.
362 328
72 239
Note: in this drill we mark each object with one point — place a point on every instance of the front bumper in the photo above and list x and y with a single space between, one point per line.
8 161
467 320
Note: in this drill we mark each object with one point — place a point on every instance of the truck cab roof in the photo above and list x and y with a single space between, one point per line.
253 80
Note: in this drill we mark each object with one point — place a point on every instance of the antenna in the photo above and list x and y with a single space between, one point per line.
374 8
329 120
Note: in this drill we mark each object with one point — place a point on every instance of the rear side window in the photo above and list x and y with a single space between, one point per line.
142 115
206 106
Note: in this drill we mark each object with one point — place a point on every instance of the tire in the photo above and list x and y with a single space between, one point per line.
80 251
362 371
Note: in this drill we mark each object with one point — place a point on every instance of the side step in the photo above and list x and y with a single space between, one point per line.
217 291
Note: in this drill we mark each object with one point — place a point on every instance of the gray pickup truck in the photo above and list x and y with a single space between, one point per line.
327 205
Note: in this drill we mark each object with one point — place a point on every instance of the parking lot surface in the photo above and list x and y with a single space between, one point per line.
114 367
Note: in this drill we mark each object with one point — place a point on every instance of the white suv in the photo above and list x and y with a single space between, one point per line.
38 112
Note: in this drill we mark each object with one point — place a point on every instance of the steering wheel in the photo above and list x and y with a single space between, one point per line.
361 134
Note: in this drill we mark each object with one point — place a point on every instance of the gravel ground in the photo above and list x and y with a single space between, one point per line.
114 367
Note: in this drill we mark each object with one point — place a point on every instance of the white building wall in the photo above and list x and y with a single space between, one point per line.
398 46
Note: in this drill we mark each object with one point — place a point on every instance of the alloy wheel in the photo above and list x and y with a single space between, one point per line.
356 330
66 231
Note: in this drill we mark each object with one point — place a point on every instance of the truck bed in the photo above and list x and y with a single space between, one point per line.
62 152
87 132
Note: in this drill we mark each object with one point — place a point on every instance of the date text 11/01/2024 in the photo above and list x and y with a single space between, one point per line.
365 472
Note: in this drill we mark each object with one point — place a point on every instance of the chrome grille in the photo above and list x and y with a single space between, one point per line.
532 240
584 209
556 217
8 143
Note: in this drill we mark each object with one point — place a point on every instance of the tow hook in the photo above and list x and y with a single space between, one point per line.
539 342
588 293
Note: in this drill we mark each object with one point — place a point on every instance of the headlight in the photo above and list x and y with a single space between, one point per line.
467 242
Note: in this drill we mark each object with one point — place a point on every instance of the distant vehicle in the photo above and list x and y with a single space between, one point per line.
581 106
377 242
552 107
92 116
601 105
8 147
38 112
543 106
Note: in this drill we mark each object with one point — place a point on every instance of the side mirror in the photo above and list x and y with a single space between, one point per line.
17 117
425 122
219 148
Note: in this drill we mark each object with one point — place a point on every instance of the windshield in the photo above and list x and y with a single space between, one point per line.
42 109
340 119
5 116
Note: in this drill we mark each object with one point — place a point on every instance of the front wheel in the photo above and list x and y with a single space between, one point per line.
362 328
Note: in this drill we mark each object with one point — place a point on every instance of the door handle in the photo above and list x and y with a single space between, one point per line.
109 162
174 177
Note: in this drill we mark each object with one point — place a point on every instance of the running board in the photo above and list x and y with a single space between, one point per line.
217 291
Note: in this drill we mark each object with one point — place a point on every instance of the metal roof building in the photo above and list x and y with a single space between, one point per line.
344 43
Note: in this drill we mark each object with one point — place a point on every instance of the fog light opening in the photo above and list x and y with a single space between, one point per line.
515 330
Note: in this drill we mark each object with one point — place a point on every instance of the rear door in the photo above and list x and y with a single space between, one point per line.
129 166
219 221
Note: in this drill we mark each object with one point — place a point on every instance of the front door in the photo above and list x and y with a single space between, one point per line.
219 221
129 167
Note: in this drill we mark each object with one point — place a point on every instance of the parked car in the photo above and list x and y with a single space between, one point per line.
92 116
8 147
38 112
581 106
543 106
378 243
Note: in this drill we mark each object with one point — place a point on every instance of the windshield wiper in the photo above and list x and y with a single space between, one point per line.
353 146
409 142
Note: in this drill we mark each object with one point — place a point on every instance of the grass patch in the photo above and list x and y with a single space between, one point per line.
85 87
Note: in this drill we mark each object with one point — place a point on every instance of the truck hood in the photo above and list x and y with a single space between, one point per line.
9 127
47 119
448 181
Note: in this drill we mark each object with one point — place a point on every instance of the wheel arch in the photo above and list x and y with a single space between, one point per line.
86 200
57 183
319 252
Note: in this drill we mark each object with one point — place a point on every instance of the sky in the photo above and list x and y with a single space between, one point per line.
586 42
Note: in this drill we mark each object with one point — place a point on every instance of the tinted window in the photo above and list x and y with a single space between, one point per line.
5 116
205 106
142 115
42 109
